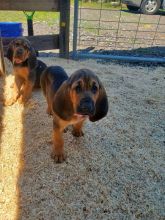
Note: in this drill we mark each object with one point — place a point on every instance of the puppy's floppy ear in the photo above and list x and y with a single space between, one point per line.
32 60
62 104
101 105
9 53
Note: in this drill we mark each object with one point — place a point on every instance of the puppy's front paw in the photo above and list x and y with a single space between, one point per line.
58 157
20 100
9 102
12 85
49 112
66 130
77 133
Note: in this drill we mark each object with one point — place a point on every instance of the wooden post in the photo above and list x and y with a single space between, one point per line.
63 6
64 28
2 61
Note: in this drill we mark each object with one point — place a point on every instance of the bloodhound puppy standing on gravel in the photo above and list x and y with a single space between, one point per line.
72 100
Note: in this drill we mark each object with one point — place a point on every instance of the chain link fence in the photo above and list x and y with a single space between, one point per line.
107 30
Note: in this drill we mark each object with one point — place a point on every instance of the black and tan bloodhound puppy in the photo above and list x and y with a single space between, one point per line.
27 69
72 100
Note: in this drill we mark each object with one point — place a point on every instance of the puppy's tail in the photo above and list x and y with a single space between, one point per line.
43 81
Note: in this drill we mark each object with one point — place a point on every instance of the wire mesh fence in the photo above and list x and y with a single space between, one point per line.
103 30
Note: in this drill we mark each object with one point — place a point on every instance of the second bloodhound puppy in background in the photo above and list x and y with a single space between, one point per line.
72 100
27 69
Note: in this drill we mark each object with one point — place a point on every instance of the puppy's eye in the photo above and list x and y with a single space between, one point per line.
78 88
94 88
25 46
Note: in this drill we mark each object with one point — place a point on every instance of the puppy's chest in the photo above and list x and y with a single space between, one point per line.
75 120
22 72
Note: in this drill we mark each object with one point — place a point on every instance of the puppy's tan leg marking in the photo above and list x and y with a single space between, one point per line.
48 111
27 91
16 91
58 146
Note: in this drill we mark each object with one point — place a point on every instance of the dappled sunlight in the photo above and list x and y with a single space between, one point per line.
11 151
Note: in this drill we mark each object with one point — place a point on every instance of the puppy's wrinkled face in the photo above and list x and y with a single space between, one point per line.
21 50
84 93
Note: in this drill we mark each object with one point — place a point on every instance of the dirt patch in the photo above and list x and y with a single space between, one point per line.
116 171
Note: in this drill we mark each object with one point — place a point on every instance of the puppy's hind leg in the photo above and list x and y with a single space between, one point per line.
48 99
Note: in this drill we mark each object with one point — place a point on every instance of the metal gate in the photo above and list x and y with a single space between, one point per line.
105 32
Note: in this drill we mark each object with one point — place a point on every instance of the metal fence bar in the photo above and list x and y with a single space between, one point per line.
121 58
80 9
122 22
117 33
111 29
156 31
75 28
99 21
101 36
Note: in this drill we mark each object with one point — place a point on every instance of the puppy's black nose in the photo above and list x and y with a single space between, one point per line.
86 106
19 51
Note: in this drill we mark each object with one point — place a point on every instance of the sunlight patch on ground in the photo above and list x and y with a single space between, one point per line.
10 158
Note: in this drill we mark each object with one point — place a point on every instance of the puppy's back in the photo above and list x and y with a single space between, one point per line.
53 77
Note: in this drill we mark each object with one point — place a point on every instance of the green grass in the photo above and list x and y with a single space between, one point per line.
18 16
49 17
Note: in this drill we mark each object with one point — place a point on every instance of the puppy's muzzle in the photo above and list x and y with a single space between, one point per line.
19 52
86 107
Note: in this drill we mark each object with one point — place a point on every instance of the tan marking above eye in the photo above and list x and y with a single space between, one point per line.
85 85
94 83
77 83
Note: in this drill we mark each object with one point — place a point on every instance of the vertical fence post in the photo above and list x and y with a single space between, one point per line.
30 27
75 28
29 17
64 28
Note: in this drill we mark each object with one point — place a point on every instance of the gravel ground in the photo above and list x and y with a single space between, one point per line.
116 171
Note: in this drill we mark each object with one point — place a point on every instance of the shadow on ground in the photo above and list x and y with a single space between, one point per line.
2 84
